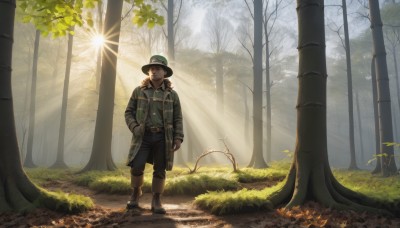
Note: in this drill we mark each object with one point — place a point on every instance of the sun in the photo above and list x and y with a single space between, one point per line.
98 40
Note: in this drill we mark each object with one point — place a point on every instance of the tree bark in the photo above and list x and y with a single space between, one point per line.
101 158
259 161
378 166
100 49
383 89
219 75
267 93
28 162
310 176
59 163
360 127
171 37
17 192
353 163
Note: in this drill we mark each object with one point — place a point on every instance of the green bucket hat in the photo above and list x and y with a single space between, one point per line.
157 60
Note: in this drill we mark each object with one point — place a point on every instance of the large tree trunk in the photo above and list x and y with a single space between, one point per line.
258 161
101 158
384 104
16 191
59 163
28 162
310 177
353 163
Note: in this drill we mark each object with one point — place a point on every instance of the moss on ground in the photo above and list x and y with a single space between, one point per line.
217 188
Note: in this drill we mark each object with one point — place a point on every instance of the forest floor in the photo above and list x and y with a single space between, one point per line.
110 211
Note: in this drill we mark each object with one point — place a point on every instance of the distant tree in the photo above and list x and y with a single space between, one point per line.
219 32
391 30
383 89
360 133
346 46
258 159
101 158
28 162
59 163
353 161
378 166
310 176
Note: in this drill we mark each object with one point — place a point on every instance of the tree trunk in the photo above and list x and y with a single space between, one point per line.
396 76
219 75
378 167
29 150
100 49
16 191
353 163
101 158
384 104
171 37
259 161
59 163
310 177
246 116
360 127
267 94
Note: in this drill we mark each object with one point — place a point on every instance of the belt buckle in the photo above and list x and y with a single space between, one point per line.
155 129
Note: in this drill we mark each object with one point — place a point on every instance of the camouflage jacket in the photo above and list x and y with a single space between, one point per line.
136 113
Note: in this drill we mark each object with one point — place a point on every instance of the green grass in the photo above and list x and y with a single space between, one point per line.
374 186
43 175
64 202
244 200
195 184
382 189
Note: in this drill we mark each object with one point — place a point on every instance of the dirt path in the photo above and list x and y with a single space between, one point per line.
180 210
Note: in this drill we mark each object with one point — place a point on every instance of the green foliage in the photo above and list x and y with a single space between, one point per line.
64 202
380 155
58 17
144 13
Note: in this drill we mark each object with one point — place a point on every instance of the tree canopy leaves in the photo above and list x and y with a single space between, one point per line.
57 17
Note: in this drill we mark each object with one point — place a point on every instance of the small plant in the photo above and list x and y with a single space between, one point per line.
381 155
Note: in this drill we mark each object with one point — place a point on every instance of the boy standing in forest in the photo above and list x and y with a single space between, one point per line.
154 117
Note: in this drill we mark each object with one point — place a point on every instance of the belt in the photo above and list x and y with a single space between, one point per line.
154 129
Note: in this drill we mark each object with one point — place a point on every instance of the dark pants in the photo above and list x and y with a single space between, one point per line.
153 145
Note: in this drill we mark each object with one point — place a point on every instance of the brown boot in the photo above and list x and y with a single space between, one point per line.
157 188
136 183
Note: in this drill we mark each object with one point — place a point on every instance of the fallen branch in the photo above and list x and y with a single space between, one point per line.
226 152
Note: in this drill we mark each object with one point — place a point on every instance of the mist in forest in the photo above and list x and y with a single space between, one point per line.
206 125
